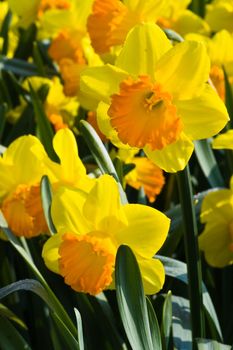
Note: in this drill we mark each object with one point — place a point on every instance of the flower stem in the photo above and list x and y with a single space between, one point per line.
192 253
198 7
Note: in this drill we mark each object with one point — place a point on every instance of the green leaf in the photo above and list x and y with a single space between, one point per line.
4 311
100 154
205 344
10 339
44 127
181 325
3 110
131 300
198 7
192 253
79 328
57 306
4 32
37 288
25 44
154 326
68 337
177 269
17 66
166 320
38 59
208 164
46 197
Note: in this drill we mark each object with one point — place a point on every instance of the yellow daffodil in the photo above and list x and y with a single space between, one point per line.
156 97
182 20
60 109
111 20
145 174
224 141
21 167
219 15
51 15
220 50
90 229
217 238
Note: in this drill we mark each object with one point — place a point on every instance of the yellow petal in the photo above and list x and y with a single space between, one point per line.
149 10
224 141
173 157
65 146
103 207
197 113
189 22
67 212
184 69
217 205
26 150
104 124
25 9
50 252
215 242
146 230
141 58
101 82
153 275
219 15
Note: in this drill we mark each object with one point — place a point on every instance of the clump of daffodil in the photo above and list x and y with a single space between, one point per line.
22 166
91 227
182 20
71 49
220 50
219 15
144 175
156 97
216 241
49 15
111 20
60 109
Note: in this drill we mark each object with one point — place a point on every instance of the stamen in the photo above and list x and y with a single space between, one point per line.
143 114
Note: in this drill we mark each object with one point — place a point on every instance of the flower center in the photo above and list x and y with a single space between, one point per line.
143 114
87 262
23 211
217 77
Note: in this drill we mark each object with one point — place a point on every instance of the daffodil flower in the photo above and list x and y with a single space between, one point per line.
111 20
22 166
90 229
156 97
216 241
220 50
145 174
219 15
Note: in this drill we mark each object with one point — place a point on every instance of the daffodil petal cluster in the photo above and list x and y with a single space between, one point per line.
156 97
90 229
22 166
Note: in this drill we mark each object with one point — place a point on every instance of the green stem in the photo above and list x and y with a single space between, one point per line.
192 253
198 7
